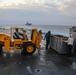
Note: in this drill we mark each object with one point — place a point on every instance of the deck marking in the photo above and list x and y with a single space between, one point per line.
38 70
29 69
17 62
5 68
42 60
73 66
11 54
4 54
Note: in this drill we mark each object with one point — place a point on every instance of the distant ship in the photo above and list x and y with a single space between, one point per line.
28 24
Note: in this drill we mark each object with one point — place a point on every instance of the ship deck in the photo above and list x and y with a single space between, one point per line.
40 63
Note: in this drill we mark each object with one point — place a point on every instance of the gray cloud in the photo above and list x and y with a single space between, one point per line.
38 12
21 16
64 6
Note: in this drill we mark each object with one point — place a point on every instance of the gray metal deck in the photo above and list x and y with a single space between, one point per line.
41 63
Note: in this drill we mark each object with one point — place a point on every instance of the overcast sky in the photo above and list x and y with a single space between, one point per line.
40 12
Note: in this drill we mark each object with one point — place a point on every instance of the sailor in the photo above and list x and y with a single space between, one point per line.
24 35
70 42
47 37
17 34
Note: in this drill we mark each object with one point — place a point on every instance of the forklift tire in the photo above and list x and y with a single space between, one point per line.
29 48
1 49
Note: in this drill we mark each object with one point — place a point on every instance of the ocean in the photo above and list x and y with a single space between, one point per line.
55 29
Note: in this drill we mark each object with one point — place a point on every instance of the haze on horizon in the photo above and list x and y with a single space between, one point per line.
40 12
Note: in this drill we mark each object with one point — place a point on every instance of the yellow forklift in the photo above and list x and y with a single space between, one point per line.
26 46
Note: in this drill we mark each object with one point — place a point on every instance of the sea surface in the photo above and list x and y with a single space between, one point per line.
55 29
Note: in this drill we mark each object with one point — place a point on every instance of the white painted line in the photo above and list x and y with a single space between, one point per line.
42 60
4 54
73 66
29 69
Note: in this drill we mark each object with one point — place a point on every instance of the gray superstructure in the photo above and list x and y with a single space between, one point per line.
73 31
